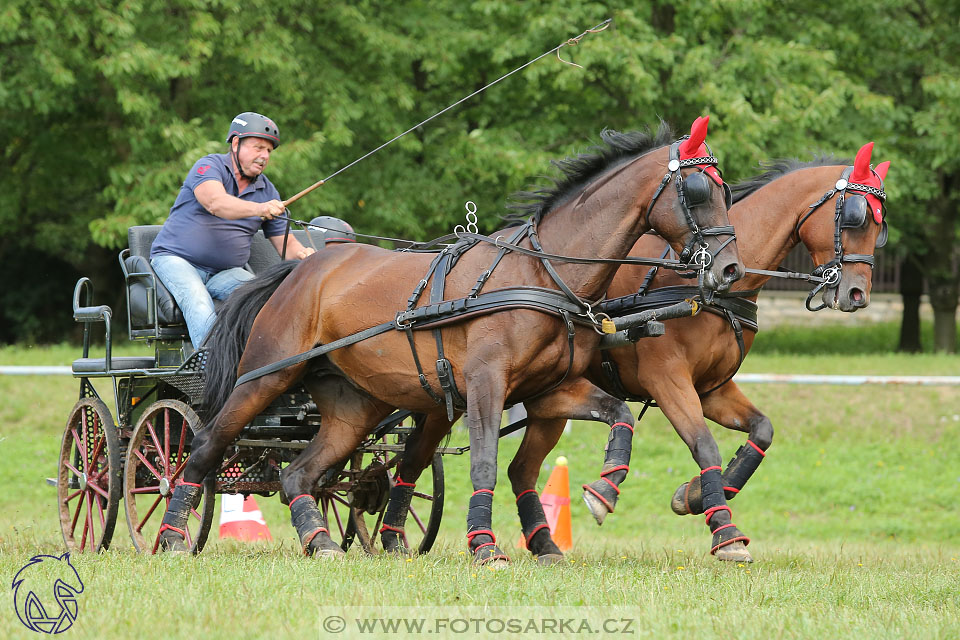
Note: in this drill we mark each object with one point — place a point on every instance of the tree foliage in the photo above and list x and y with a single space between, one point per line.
112 101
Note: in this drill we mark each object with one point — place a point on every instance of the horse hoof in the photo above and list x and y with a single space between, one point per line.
734 552
678 504
329 554
173 546
550 559
496 564
597 508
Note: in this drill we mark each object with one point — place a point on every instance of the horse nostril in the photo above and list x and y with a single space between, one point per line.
858 298
732 272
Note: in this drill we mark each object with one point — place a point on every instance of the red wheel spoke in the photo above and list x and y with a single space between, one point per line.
76 513
376 527
150 511
72 496
93 531
183 438
339 499
76 439
138 490
83 438
156 443
194 513
97 450
86 524
103 519
187 537
70 466
166 439
424 496
147 464
420 524
98 490
179 470
336 516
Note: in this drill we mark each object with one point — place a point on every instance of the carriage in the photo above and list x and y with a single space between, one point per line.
129 459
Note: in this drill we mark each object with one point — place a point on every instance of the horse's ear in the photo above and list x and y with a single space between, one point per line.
882 169
861 165
698 133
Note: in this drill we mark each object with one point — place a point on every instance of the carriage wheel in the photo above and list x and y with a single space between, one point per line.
334 503
423 516
156 455
88 477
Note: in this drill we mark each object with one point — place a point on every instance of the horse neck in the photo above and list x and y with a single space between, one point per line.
601 222
766 221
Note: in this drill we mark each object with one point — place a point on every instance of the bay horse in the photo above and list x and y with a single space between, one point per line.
697 357
605 200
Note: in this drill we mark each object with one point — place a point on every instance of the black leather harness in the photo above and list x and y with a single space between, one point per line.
733 306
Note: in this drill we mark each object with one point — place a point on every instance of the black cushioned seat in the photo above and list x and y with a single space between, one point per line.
99 365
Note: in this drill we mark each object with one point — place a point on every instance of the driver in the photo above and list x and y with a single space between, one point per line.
225 199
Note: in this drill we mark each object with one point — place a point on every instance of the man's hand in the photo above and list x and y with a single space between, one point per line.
267 210
304 252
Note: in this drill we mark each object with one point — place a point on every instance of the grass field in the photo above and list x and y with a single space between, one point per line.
853 517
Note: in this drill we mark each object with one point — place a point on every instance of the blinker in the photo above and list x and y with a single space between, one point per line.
696 189
853 215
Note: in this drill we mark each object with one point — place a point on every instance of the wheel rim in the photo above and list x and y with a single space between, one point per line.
87 478
423 515
156 456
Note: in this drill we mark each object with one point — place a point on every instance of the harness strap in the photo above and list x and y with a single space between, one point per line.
451 395
315 352
514 239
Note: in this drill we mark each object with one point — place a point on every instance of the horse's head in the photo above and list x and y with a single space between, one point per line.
692 217
843 229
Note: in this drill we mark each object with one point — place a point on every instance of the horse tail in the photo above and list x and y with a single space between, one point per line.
230 332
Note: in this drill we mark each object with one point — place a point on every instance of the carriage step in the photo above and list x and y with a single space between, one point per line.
52 482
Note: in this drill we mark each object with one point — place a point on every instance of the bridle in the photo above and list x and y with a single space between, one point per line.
693 191
851 213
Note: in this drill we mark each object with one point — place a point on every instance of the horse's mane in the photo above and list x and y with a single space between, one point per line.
615 149
774 169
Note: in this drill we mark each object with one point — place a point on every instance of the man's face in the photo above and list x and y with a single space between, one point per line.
254 154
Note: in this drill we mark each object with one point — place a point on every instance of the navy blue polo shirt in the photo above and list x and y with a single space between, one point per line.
203 239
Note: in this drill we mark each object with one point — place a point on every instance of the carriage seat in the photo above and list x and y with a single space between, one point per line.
152 311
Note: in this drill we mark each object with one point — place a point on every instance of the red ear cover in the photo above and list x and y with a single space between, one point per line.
861 165
698 133
693 147
881 171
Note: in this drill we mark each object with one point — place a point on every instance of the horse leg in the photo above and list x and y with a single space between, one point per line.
485 396
206 451
681 406
547 415
417 453
728 407
348 415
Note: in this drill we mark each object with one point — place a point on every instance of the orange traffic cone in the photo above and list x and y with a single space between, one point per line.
555 499
240 518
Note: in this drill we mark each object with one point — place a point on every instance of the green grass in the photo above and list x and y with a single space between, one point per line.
852 515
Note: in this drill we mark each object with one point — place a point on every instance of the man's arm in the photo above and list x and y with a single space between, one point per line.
213 197
294 248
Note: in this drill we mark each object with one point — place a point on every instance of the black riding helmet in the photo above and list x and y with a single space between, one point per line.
332 230
252 125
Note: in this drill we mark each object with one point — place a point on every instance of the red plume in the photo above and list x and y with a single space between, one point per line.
698 133
861 165
882 169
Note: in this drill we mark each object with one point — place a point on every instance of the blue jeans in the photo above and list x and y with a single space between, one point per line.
194 289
